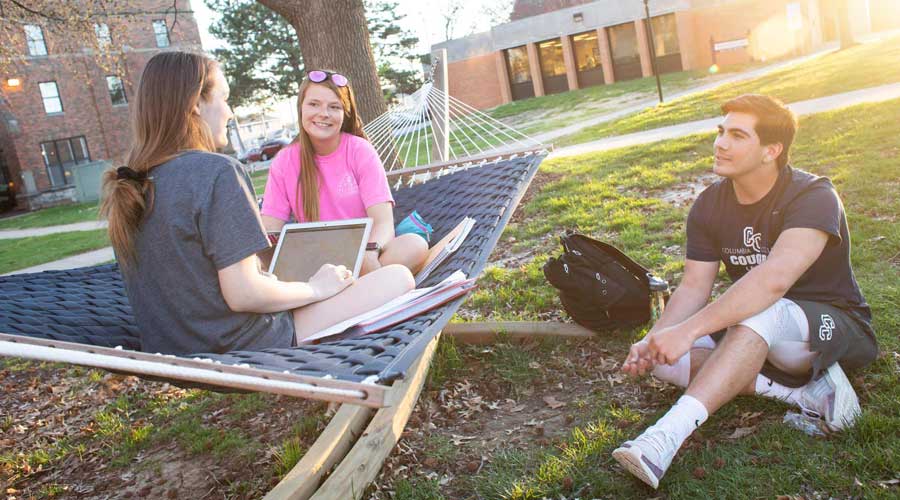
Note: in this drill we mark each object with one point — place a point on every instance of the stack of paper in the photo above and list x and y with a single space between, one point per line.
442 249
398 310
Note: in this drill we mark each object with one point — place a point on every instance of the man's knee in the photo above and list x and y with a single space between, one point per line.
743 334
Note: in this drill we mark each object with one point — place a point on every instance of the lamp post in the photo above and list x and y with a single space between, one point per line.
648 30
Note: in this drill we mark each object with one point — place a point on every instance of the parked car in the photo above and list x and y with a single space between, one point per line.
250 156
270 148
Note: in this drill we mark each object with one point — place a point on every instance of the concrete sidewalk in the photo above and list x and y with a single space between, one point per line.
81 260
802 108
11 234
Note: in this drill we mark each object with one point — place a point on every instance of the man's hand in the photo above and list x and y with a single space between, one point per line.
638 361
668 345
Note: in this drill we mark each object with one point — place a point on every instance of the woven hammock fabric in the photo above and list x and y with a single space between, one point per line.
89 305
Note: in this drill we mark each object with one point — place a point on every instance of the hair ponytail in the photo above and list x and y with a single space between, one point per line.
125 201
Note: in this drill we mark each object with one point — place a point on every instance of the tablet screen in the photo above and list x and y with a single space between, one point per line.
303 248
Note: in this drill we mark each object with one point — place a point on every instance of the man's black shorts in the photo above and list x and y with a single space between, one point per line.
837 334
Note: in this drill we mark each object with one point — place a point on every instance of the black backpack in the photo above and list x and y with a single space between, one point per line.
601 287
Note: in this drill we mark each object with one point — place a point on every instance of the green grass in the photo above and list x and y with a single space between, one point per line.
26 252
259 181
614 195
54 216
830 74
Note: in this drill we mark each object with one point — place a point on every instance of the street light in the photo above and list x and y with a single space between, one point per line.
648 30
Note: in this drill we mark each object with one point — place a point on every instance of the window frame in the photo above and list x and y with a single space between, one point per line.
58 98
31 43
106 40
124 101
70 142
157 33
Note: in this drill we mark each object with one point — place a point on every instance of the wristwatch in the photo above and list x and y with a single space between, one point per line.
373 246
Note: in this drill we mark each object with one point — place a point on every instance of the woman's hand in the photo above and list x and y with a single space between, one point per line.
330 280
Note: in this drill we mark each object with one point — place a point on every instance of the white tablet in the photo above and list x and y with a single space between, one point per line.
303 248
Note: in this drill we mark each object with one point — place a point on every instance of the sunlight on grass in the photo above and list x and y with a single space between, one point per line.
822 76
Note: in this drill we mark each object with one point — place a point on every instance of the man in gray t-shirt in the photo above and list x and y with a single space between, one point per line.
203 218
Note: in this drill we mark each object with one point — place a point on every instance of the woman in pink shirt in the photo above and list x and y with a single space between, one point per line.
344 178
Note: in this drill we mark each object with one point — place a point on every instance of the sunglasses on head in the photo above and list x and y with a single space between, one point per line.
319 76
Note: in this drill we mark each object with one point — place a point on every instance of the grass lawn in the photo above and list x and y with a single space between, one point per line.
615 196
26 252
54 216
830 74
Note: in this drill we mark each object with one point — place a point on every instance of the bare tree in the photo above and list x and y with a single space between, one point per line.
450 14
333 34
497 11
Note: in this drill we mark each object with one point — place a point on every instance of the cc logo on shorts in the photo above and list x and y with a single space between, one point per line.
826 329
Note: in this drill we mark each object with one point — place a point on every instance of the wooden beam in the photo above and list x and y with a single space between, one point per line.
489 332
360 467
203 372
329 449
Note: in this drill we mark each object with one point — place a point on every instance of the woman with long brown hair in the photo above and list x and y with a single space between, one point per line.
332 172
186 230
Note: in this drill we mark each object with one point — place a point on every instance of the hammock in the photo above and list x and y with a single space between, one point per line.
82 316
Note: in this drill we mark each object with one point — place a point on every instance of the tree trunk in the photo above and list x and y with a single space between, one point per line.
333 35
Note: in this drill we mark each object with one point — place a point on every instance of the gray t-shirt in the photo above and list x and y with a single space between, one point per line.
203 219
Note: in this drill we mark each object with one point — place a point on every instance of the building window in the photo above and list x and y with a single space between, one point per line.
517 60
116 90
553 66
665 43
34 35
551 54
520 84
162 33
587 51
50 95
623 47
103 36
665 35
61 155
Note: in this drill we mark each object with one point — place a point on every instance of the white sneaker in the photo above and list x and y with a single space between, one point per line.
831 398
649 455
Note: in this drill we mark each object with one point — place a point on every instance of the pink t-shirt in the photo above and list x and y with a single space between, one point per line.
351 179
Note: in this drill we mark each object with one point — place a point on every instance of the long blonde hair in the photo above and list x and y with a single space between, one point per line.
164 123
308 180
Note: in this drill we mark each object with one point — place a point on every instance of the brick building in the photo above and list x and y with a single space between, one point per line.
552 46
62 106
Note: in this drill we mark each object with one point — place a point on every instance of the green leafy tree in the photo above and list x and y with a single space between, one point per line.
263 58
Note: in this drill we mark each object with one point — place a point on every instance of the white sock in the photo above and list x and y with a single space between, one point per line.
678 374
681 420
771 389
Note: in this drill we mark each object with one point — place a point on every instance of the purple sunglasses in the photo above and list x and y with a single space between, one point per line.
319 76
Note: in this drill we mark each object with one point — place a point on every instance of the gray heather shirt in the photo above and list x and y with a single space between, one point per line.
203 219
